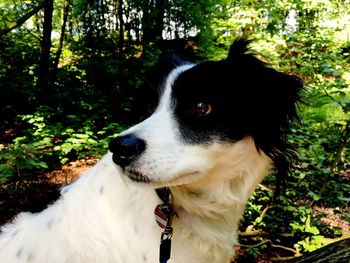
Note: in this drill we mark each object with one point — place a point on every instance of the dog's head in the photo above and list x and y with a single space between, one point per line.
208 117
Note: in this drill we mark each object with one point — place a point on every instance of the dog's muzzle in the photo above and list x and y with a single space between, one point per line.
126 149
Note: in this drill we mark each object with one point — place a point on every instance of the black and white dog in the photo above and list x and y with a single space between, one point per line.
217 128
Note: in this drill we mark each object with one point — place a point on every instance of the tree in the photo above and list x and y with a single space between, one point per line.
153 20
45 92
22 19
66 9
121 25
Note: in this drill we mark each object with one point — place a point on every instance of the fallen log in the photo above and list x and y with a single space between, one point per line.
337 252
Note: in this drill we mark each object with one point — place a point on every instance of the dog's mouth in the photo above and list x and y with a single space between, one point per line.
137 176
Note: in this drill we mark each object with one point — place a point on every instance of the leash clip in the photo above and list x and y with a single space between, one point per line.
167 233
164 216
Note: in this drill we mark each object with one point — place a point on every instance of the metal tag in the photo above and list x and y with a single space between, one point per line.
161 217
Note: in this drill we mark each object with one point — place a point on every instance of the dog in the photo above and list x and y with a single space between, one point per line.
214 130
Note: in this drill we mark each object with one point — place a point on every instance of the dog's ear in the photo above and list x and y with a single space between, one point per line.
272 97
282 99
277 100
272 94
288 90
239 48
281 93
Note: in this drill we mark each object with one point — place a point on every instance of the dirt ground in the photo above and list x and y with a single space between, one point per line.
34 193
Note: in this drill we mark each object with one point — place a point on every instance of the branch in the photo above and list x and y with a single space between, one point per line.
251 232
22 19
272 245
333 99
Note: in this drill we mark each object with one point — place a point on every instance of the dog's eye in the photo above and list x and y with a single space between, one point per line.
201 109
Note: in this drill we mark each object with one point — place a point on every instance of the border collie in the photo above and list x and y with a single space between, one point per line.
216 129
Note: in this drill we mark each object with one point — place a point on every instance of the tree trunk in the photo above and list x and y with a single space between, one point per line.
159 23
338 252
44 64
22 19
153 20
63 33
121 26
127 26
343 141
146 21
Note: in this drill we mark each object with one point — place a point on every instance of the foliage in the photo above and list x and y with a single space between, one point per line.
314 47
45 143
103 54
16 158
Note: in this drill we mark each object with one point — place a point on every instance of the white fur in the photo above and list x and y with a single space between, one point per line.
165 157
105 217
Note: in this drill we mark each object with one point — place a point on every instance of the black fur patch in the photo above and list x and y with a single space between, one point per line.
246 97
149 93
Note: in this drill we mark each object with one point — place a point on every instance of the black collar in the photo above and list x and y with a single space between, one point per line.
166 212
163 194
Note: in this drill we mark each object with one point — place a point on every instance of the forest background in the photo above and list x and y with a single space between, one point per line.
70 71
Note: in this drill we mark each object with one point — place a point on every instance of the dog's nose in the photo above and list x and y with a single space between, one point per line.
126 149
